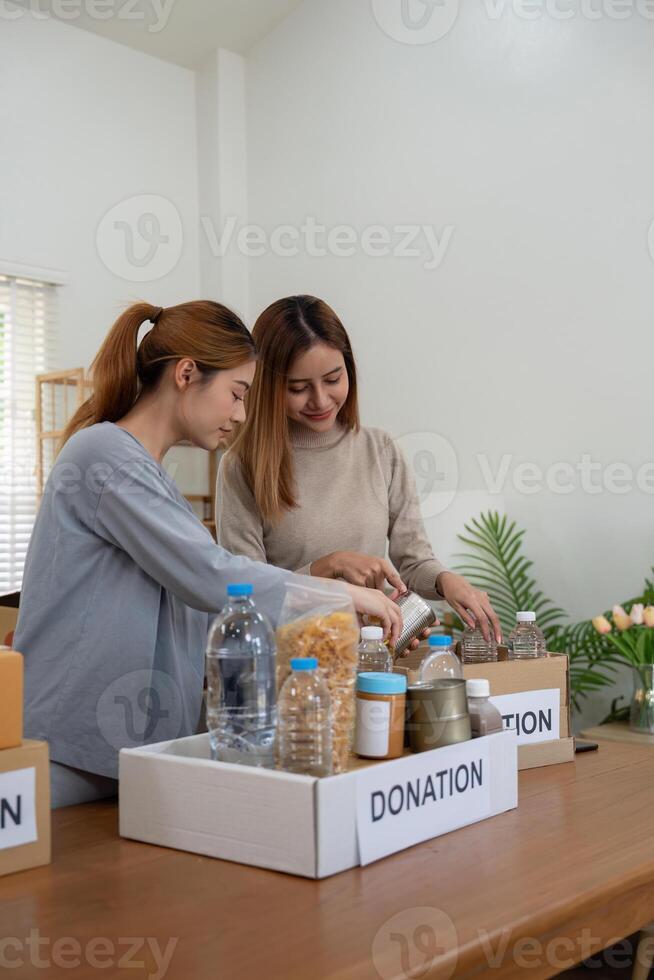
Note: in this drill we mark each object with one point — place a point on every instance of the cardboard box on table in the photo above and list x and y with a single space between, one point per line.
175 795
11 699
24 778
24 807
533 696
8 616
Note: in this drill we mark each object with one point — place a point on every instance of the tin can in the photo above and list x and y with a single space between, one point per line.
437 714
417 616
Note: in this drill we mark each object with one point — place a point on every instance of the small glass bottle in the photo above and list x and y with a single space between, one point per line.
374 655
475 649
526 641
441 661
485 719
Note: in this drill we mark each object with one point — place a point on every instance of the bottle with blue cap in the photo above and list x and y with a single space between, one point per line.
441 661
304 725
241 682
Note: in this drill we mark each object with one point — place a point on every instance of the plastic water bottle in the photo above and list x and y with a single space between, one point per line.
527 640
475 649
304 730
441 661
374 655
241 683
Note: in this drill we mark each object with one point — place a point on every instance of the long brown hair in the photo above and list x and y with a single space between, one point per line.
207 332
284 330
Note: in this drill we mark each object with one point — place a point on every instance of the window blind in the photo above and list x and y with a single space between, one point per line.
27 330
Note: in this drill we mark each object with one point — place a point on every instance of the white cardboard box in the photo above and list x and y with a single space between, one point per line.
175 795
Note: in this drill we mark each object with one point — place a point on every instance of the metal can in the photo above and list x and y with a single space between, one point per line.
417 616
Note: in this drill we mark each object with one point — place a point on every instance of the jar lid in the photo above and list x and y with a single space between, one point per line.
525 617
377 682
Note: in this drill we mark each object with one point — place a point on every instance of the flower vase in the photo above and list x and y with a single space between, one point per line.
641 714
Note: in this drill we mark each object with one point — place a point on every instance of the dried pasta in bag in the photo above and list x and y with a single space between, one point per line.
319 621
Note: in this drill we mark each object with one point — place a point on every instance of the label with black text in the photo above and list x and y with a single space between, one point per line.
534 715
17 807
422 796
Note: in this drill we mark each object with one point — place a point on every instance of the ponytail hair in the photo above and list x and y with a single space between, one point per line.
204 331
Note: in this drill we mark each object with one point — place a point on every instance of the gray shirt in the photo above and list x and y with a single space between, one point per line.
120 580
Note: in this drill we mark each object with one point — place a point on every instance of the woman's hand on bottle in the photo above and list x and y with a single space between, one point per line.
472 605
372 602
358 569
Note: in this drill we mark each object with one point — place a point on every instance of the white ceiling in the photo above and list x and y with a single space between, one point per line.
181 31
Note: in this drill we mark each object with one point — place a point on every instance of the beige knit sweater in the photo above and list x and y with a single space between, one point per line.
355 492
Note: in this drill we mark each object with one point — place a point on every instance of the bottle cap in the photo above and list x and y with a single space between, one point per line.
376 682
439 640
239 588
525 617
477 687
372 633
303 663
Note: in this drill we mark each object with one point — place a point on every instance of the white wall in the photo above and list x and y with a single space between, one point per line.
534 336
85 124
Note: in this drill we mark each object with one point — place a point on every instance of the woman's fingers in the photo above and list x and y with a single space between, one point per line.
463 613
492 617
392 577
395 616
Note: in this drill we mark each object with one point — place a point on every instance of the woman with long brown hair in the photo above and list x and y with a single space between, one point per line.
306 488
121 576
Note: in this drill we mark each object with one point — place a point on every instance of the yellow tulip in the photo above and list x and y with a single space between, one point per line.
621 619
602 624
648 615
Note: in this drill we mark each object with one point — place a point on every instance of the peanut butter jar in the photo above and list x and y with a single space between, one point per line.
381 709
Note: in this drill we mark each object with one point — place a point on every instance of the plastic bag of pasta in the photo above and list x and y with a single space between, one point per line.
319 621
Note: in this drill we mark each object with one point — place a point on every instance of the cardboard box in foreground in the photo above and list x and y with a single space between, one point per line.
175 795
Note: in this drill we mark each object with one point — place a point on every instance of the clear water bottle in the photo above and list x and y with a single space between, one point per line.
374 655
241 683
527 640
304 729
441 661
475 649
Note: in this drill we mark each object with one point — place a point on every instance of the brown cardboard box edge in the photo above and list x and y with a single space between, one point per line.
11 699
37 853
546 753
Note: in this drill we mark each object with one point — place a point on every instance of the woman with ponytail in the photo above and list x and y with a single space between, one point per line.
121 576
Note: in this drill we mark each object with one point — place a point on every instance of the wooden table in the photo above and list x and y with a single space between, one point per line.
572 868
617 731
